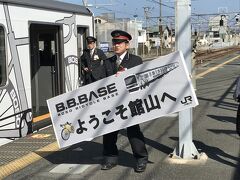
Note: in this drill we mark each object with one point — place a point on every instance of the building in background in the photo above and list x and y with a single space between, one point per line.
107 22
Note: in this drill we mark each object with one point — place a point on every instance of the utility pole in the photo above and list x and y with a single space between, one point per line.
96 28
146 15
135 35
185 149
160 26
85 2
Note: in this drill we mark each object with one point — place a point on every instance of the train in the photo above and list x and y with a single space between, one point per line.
40 45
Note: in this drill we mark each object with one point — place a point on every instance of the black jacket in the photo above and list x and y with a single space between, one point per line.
236 94
128 62
94 63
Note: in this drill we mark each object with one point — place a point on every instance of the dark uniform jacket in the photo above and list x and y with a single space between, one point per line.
135 136
236 96
94 63
128 62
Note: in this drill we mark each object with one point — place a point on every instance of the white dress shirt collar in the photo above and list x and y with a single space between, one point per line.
122 56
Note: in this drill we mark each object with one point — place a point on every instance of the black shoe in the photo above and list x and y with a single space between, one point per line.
108 166
140 167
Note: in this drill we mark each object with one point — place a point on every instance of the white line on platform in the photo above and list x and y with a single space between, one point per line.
70 168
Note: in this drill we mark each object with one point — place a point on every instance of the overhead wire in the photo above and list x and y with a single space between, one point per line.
202 16
116 11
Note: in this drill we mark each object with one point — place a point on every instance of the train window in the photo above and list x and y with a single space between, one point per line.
131 83
130 80
3 59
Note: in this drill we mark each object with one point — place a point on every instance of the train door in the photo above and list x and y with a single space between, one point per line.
81 38
45 65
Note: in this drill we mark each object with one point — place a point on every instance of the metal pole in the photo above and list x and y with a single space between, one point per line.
85 3
160 24
186 149
135 35
146 10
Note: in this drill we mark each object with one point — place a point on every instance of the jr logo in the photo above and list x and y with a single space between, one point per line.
187 100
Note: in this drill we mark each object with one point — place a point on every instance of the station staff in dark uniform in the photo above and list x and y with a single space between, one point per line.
92 62
123 60
236 96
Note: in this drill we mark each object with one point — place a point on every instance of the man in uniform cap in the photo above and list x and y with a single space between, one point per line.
123 60
120 36
92 62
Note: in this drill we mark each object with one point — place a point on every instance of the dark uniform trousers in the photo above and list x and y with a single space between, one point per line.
136 139
135 136
238 119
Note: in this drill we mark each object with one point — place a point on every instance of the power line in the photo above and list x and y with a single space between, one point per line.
102 8
161 4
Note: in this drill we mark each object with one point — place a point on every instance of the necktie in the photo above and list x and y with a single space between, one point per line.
118 62
91 52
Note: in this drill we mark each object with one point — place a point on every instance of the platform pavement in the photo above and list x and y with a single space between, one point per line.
213 133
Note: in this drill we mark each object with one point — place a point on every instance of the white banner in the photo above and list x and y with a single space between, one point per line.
140 94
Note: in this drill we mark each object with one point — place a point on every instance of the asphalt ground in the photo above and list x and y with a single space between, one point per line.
213 134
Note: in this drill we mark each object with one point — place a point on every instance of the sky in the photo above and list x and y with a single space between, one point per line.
129 8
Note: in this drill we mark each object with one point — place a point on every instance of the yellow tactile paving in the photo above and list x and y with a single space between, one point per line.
40 118
26 160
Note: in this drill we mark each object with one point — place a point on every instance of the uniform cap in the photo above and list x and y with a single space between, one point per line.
91 39
120 36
